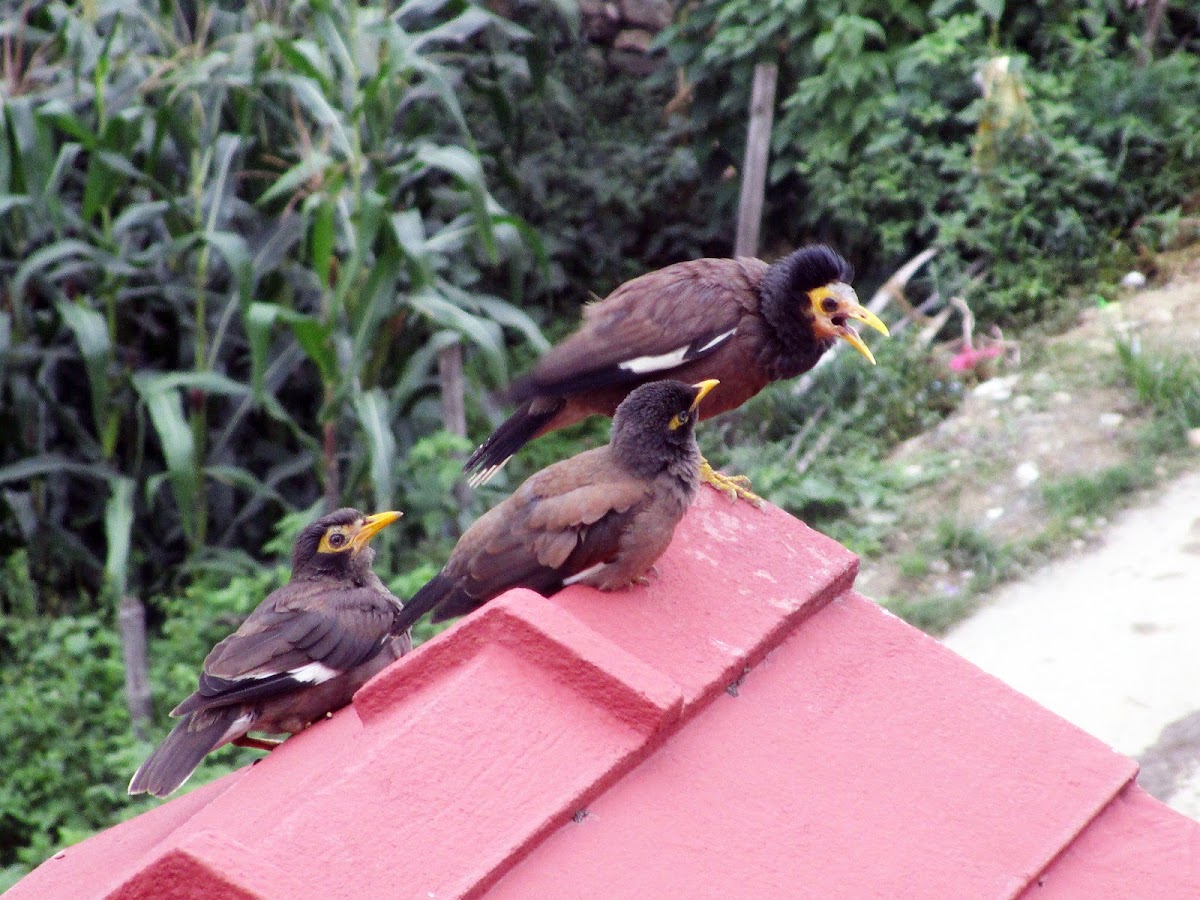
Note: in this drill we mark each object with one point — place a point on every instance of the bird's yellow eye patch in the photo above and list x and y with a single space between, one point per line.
335 540
679 420
823 300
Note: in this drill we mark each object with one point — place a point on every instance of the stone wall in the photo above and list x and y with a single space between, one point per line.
622 30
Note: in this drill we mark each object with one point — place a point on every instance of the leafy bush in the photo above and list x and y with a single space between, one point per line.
883 143
590 157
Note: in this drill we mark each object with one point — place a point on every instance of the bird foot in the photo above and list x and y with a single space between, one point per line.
736 487
645 580
255 743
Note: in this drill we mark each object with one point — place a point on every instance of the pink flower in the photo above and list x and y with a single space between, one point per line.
969 358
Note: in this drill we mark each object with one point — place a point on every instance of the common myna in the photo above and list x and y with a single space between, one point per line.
601 517
302 653
736 320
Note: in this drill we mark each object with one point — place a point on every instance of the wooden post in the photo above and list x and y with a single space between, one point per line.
131 619
1154 11
454 407
754 164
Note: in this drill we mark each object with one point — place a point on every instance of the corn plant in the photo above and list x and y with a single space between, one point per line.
232 240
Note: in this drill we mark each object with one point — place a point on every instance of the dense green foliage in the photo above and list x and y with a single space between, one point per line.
234 237
884 144
223 235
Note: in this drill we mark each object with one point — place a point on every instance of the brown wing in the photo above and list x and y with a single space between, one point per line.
563 520
302 634
652 324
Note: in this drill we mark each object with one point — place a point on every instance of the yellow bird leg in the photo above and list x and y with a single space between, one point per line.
737 487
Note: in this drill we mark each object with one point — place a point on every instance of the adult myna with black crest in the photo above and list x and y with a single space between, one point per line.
740 321
601 517
302 653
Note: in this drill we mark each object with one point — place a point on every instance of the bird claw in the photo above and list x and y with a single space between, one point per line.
736 487
645 580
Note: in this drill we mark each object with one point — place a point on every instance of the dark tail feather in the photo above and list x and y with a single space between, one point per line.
176 758
513 434
434 591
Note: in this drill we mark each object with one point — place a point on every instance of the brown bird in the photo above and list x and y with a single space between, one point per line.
601 517
740 321
302 653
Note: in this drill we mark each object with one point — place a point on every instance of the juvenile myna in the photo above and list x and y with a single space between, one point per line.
736 320
601 517
302 653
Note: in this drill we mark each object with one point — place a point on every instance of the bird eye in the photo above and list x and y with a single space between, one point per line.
337 539
829 304
683 417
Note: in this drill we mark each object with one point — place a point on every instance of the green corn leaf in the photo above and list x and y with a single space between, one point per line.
13 201
312 335
335 47
309 95
138 215
321 240
408 228
309 167
236 476
91 334
467 25
64 164
378 299
118 531
514 317
165 406
466 168
450 238
58 112
528 234
100 187
236 253
371 409
481 332
208 382
48 258
52 464
306 58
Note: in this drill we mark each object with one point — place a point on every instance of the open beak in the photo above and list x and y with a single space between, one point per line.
850 308
701 390
371 526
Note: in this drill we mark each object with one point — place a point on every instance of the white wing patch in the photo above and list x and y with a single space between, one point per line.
310 673
579 576
643 364
313 673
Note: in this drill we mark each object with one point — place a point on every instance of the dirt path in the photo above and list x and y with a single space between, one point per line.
1110 639
1051 531
1037 458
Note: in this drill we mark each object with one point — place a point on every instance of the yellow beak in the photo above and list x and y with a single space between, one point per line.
371 526
853 310
701 390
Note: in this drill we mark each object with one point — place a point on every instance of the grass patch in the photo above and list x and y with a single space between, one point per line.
935 615
1092 496
914 564
1169 385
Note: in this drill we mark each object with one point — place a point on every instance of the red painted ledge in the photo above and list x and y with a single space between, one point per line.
745 726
